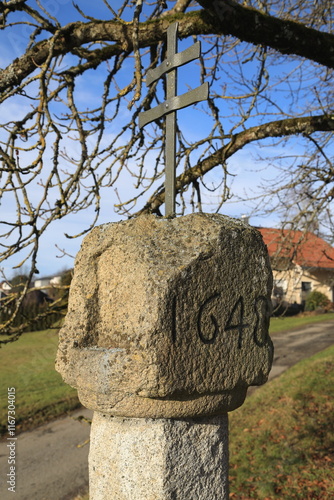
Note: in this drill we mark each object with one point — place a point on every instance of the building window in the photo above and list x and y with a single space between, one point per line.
280 288
306 286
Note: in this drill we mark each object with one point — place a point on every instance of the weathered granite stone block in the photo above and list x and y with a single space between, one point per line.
168 317
155 459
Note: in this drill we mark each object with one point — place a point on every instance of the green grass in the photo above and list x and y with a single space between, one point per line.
282 438
293 322
28 365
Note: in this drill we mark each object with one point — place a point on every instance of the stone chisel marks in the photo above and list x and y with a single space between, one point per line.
183 332
167 327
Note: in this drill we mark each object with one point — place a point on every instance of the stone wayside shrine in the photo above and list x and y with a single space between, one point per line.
167 327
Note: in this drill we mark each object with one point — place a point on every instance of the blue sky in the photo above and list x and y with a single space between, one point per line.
247 172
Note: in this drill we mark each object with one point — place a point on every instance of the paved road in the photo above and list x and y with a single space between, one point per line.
291 347
52 463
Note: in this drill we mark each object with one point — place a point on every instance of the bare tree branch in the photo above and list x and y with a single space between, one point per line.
72 91
280 128
247 24
286 36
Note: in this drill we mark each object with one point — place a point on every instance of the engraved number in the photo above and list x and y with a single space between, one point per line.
261 303
235 321
214 322
238 314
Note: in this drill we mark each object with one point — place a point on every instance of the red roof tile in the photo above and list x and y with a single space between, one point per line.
305 249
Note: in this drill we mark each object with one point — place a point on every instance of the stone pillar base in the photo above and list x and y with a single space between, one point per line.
158 459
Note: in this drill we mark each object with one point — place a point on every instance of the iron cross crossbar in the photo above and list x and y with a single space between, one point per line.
172 103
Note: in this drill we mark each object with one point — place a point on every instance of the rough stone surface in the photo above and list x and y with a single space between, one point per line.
168 317
158 459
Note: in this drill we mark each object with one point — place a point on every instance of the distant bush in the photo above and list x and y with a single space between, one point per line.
316 300
286 309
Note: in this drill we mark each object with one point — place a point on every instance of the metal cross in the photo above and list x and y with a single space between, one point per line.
171 105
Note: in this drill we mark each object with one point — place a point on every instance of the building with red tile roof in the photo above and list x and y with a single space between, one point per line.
301 262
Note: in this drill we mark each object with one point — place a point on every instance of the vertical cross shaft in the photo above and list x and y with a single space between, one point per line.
171 105
171 91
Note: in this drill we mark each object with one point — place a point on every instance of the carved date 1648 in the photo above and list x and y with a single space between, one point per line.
259 321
